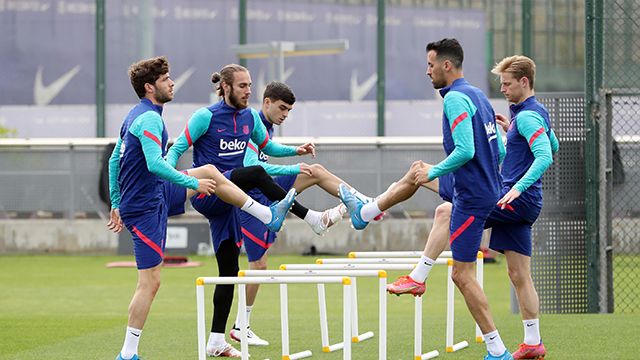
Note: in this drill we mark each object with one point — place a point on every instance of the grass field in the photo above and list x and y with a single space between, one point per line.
73 307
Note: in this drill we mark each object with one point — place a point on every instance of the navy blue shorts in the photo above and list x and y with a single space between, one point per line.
223 217
255 235
466 233
445 187
149 230
511 226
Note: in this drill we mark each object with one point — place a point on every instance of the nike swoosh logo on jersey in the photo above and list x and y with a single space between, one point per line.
42 95
221 130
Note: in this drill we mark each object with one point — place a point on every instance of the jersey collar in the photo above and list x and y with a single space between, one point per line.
154 107
456 82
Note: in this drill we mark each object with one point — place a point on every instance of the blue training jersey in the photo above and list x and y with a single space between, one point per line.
219 135
530 144
468 112
137 167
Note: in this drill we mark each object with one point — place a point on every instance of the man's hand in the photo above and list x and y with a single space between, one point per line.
115 223
420 171
503 121
508 198
305 169
206 186
305 149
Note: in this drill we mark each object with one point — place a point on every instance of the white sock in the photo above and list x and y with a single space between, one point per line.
131 339
369 211
313 217
258 210
237 324
495 346
215 339
422 269
531 331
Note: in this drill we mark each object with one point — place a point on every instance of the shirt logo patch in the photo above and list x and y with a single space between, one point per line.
245 129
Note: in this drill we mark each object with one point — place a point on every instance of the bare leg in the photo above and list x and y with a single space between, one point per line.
321 177
252 289
401 191
519 267
464 276
225 189
146 290
439 235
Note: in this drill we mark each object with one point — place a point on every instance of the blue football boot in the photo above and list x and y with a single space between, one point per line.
505 356
353 204
279 211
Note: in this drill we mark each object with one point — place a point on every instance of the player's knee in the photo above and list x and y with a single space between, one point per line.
518 276
211 171
460 278
258 264
443 213
318 168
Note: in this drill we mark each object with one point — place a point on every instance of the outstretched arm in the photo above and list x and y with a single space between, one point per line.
251 158
196 127
459 110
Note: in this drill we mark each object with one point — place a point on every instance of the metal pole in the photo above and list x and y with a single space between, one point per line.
593 79
100 68
527 28
145 31
381 65
242 27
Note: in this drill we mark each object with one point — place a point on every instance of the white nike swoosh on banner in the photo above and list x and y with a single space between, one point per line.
359 91
42 95
182 79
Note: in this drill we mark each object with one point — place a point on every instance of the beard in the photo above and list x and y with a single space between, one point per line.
235 101
164 96
438 84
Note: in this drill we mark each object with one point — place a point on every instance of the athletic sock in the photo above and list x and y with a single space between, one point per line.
495 346
258 210
215 339
369 211
131 339
313 217
422 269
237 324
531 331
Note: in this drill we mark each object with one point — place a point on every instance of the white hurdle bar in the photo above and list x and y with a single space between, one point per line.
284 316
386 266
324 331
393 254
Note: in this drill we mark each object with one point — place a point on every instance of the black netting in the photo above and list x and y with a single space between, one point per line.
559 261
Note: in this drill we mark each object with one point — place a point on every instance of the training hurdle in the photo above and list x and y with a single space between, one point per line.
324 329
360 256
284 317
417 300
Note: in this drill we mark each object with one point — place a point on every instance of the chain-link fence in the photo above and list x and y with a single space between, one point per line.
612 85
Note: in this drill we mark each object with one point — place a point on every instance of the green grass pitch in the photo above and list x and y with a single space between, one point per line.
73 307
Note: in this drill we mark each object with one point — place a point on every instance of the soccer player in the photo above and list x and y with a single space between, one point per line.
474 152
145 190
278 100
530 144
219 135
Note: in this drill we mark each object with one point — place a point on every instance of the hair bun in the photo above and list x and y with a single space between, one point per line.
215 77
